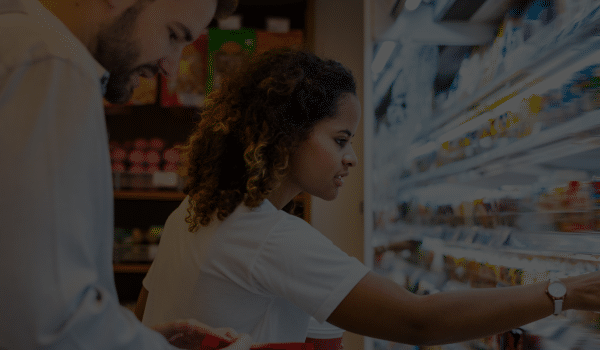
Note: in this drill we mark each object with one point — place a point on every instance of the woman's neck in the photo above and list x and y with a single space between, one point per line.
282 195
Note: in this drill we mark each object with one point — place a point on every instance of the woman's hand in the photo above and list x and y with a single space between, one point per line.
189 334
583 292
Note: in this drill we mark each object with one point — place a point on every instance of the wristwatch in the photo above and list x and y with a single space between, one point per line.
556 291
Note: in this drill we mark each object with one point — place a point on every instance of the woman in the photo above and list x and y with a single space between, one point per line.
231 256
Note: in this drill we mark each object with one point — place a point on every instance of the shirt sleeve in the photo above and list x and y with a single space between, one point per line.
301 265
56 281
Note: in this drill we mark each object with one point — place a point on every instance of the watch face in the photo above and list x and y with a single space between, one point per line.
557 290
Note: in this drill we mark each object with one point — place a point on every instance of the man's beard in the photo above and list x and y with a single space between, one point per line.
117 53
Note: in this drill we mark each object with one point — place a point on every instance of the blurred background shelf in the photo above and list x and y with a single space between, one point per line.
131 268
150 195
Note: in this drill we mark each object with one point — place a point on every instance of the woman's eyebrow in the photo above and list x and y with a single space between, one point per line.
347 132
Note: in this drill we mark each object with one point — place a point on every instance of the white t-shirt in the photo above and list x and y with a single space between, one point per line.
261 271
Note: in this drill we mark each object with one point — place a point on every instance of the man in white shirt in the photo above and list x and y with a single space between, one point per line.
56 208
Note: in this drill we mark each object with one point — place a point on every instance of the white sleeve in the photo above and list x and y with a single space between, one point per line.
56 281
301 265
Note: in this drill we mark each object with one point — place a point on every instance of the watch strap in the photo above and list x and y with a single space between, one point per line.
558 303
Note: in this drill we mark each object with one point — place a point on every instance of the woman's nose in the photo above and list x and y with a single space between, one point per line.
350 158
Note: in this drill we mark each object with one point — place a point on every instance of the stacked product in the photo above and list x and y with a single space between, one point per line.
144 164
135 245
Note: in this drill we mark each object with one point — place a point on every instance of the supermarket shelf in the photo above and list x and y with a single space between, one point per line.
575 46
582 123
467 240
550 243
447 8
471 10
150 195
131 268
559 150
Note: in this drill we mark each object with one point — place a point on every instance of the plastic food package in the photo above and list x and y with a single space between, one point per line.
213 342
324 336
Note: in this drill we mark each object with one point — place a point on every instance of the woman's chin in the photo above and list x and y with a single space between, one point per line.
329 196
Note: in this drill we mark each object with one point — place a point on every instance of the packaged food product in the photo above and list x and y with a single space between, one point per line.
324 336
157 143
118 154
171 155
152 157
214 342
141 144
136 156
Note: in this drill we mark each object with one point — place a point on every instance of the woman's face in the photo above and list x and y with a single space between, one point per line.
321 162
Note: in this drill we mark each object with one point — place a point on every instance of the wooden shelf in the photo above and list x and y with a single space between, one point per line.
131 268
152 109
150 195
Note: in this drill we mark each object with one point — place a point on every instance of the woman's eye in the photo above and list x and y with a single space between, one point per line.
341 142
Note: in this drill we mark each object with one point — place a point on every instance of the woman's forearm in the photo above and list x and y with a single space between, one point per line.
457 316
380 308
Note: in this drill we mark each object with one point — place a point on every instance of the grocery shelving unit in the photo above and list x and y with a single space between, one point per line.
485 246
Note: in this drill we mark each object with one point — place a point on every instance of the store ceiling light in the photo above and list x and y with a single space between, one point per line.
383 55
412 5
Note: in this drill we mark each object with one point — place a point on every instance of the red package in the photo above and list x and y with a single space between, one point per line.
141 144
171 155
157 143
118 167
136 156
152 157
118 154
326 344
212 342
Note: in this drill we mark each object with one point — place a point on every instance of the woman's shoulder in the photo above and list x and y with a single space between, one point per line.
293 230
294 222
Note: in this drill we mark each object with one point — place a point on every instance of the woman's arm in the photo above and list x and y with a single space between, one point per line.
379 308
140 306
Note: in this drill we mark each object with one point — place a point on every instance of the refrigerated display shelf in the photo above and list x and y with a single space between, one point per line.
543 79
563 48
528 159
572 245
533 143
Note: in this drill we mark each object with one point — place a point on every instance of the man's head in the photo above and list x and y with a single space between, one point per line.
147 37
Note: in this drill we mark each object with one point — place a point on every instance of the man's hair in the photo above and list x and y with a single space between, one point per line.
225 8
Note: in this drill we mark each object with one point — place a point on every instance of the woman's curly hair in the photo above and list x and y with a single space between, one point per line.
241 147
